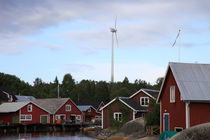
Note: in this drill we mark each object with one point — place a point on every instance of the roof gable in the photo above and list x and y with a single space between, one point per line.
149 92
128 102
193 80
52 105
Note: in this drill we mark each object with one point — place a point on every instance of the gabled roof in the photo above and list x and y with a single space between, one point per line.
95 105
150 92
193 80
132 104
83 107
12 107
21 98
128 102
52 105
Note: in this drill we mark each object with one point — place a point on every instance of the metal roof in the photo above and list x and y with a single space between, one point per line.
51 104
132 104
21 98
12 107
193 80
83 107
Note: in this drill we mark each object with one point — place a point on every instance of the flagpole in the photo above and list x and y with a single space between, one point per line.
179 44
58 90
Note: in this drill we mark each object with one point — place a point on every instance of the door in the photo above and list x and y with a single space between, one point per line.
15 119
166 122
43 119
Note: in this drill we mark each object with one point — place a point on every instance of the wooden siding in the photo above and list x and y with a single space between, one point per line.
74 111
36 112
176 110
115 108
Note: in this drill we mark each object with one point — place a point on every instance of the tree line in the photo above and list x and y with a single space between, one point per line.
85 90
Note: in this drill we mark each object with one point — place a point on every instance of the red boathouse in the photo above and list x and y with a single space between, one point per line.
184 96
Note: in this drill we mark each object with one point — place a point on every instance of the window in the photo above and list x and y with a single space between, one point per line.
172 94
178 129
29 108
26 117
61 116
98 117
78 117
89 110
118 116
68 107
144 101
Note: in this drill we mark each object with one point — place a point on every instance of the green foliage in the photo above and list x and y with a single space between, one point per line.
125 114
153 117
85 90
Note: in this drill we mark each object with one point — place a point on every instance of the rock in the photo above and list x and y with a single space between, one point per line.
198 132
133 129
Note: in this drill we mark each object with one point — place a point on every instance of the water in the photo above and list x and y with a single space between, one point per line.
47 136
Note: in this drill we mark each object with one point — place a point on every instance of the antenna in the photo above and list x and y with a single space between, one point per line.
114 34
178 45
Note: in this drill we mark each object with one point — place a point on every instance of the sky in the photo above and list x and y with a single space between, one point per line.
49 38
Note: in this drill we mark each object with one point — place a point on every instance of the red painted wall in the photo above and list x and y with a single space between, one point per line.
199 113
176 110
36 112
7 117
74 110
136 98
115 108
92 114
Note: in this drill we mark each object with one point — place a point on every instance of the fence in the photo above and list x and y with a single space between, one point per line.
153 130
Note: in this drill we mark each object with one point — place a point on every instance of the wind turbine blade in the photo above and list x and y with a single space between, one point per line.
115 23
116 39
176 38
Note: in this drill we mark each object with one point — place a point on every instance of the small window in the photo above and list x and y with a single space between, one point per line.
78 117
89 110
172 94
29 108
144 101
178 129
68 107
118 116
26 117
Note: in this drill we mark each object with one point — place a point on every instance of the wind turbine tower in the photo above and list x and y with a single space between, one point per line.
114 35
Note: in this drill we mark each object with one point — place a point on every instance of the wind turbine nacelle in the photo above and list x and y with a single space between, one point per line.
113 30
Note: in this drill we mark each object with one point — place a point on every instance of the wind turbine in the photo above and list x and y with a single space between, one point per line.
114 34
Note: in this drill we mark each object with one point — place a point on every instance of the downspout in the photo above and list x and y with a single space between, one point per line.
187 110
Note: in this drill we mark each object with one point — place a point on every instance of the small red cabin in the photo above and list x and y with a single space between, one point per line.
184 96
61 108
22 112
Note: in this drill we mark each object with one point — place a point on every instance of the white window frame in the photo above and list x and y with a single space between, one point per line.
59 116
118 118
98 117
25 117
78 117
144 98
68 107
29 106
172 94
89 110
175 128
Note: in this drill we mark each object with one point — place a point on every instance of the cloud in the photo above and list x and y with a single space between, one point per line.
53 47
140 23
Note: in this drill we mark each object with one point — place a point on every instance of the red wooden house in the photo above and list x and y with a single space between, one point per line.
63 108
137 105
184 96
91 111
22 112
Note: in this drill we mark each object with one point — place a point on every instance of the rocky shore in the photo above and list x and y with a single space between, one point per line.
133 130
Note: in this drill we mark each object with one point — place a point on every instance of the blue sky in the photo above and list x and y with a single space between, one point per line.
49 38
